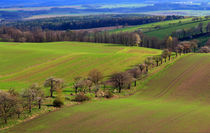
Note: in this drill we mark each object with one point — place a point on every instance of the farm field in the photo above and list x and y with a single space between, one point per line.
168 102
145 27
25 63
167 27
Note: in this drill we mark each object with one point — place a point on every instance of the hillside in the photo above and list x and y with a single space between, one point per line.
166 27
174 100
25 63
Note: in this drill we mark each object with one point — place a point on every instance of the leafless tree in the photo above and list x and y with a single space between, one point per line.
135 73
165 54
121 80
77 83
95 76
7 105
142 67
54 83
148 62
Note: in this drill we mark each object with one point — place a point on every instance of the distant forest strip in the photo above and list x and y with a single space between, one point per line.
91 21
136 38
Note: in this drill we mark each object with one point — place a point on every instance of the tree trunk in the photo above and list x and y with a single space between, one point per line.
5 120
165 59
120 89
51 89
18 115
147 69
157 63
135 83
76 89
40 104
29 106
129 86
51 92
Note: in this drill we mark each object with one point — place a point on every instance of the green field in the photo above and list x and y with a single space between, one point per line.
25 63
167 27
146 27
175 100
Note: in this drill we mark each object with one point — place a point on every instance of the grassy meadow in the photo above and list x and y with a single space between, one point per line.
170 101
25 63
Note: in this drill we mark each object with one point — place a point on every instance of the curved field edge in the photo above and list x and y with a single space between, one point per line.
143 112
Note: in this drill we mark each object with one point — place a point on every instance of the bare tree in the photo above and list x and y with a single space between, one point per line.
204 49
142 67
135 73
148 62
33 95
165 54
39 94
157 59
194 44
121 80
7 105
53 83
77 83
95 76
136 39
180 48
187 46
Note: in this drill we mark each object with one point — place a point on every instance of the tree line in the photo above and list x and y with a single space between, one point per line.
193 32
12 34
126 38
91 21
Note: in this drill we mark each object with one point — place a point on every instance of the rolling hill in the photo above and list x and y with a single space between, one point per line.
166 27
174 100
25 63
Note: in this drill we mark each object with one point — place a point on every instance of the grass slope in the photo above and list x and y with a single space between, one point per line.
25 63
175 100
165 30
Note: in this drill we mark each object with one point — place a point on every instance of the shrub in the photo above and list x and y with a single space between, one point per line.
100 93
58 103
81 97
109 94
90 95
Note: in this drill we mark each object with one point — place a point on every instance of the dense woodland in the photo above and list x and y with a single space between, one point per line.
92 21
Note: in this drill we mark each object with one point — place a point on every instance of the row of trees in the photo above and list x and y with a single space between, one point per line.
191 32
13 103
125 38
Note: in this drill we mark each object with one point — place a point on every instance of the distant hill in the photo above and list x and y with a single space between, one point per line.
22 3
